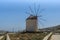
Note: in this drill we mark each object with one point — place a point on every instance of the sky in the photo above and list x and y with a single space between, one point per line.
13 13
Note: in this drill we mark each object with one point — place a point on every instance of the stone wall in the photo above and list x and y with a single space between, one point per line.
31 25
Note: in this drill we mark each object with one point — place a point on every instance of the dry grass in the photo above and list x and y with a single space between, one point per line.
27 36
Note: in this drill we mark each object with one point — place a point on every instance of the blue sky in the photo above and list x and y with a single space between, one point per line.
12 13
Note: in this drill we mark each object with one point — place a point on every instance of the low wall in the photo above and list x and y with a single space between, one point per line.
1 37
48 36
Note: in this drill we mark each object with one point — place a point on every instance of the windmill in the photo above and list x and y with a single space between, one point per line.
33 19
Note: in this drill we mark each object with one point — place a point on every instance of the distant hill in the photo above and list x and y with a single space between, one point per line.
54 28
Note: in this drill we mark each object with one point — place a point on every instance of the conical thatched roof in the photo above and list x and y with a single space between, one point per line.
32 17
